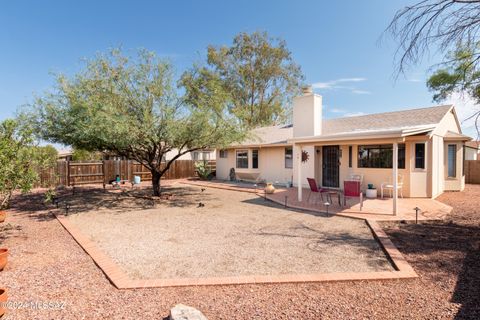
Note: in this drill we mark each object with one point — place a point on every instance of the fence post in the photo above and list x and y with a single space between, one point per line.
67 175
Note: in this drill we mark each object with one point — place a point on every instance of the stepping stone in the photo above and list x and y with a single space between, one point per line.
183 312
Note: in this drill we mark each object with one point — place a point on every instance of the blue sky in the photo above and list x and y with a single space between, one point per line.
335 42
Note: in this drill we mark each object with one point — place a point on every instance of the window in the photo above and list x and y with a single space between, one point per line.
255 159
452 160
242 159
350 156
419 155
289 157
380 156
223 154
206 155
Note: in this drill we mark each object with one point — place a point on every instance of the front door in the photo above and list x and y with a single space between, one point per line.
330 166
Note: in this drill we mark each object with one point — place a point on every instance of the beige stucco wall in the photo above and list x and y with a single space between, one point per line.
188 155
308 169
438 166
440 181
271 164
458 182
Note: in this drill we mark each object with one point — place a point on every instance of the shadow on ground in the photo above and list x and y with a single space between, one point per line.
84 199
445 252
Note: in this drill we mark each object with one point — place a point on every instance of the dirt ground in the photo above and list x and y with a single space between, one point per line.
47 265
233 233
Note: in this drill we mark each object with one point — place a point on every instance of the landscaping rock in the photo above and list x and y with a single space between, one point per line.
183 312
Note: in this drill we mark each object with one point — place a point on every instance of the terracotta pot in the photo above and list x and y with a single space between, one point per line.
3 301
3 215
3 257
269 189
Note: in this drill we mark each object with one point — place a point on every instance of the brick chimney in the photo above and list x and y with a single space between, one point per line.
307 114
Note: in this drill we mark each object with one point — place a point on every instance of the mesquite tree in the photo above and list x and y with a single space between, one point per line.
130 107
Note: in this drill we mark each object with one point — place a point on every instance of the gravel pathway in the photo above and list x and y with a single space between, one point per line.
46 264
235 233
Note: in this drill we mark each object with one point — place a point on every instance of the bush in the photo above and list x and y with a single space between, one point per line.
203 170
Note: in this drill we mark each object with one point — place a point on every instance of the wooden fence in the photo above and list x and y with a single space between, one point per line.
472 171
70 173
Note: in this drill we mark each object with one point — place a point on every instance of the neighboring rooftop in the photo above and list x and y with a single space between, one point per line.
371 122
473 144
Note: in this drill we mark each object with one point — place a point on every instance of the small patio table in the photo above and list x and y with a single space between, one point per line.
337 193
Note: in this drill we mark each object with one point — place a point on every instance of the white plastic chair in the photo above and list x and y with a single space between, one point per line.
389 186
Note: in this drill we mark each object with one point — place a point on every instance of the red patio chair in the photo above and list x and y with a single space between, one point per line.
351 189
314 188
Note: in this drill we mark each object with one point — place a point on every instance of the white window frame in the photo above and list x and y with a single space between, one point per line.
285 157
448 161
258 158
236 158
223 153
414 156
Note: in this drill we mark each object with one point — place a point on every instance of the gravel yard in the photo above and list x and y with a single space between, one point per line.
235 233
46 264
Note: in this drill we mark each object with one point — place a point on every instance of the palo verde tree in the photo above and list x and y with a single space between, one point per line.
129 106
448 26
258 74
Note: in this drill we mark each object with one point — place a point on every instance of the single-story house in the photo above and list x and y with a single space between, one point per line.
472 150
429 142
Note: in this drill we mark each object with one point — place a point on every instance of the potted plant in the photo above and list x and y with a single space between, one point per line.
3 258
3 215
371 192
3 301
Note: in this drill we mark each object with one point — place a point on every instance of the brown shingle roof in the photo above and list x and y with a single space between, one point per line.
371 122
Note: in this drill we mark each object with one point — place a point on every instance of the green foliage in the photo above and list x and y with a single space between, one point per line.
203 170
19 160
256 77
46 156
85 155
49 196
129 107
461 74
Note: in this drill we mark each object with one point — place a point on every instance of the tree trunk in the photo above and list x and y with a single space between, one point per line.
156 182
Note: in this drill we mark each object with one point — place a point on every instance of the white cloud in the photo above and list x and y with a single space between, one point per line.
465 106
354 114
337 110
339 84
356 91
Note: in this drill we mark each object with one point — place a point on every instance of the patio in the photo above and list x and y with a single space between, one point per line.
373 209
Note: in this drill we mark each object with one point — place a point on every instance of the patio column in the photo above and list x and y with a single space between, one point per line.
395 178
298 163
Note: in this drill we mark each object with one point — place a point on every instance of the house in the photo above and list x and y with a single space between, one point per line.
429 141
472 150
65 155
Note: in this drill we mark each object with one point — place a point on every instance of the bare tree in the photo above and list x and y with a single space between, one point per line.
440 24
452 27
